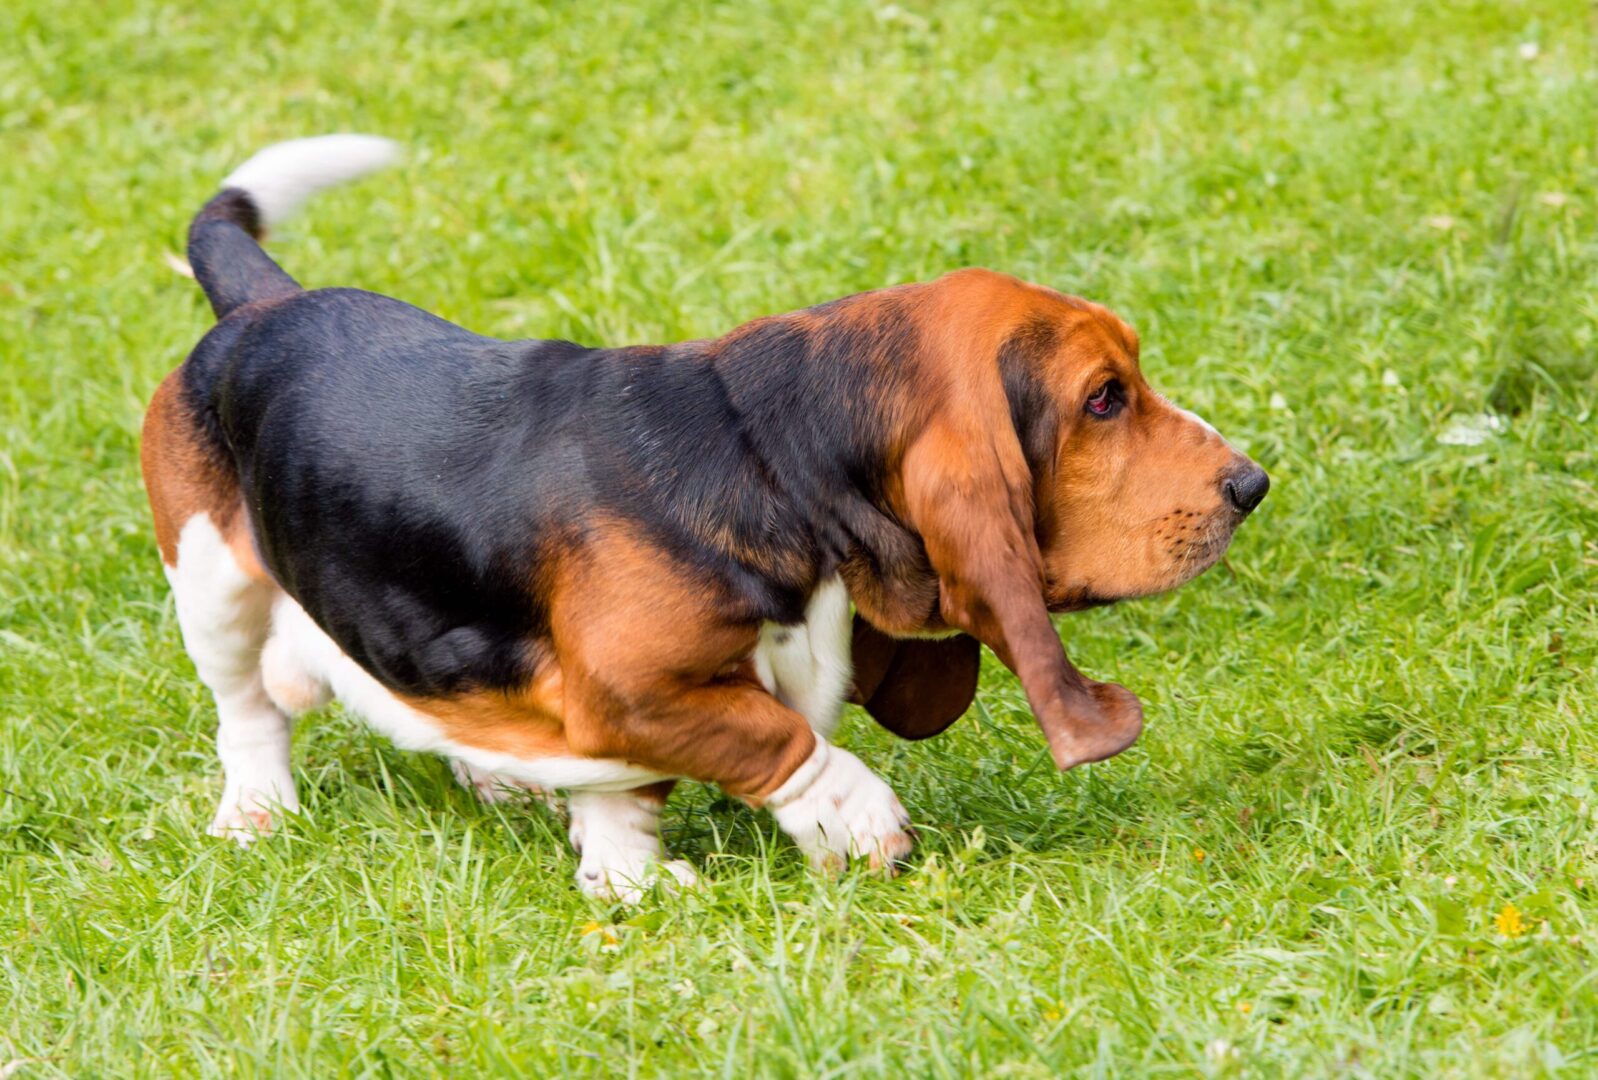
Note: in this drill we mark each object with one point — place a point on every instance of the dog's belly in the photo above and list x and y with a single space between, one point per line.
805 665
307 652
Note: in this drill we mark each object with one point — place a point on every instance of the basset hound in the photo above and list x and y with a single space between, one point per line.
597 570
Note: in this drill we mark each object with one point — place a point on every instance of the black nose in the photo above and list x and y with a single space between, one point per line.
1245 487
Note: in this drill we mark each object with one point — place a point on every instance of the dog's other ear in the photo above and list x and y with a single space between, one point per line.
914 687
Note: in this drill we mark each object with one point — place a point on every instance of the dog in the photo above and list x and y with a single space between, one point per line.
598 570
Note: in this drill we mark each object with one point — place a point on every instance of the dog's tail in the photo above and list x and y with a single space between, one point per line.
224 247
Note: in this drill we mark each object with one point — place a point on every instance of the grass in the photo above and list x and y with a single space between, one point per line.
1358 836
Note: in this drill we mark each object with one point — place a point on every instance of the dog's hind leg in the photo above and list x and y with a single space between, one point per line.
287 668
224 601
224 614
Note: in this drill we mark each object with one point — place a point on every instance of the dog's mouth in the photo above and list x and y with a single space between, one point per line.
1201 546
1182 549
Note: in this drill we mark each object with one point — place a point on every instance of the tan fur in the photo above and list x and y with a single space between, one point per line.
184 478
655 690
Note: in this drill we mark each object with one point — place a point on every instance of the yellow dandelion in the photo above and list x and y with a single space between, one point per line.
1509 922
594 927
1198 854
1245 1007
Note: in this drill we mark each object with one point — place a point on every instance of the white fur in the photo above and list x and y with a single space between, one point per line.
291 687
1199 420
318 656
1194 417
836 808
808 667
618 837
224 616
281 177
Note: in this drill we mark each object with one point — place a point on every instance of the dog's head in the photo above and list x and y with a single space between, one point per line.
1043 473
1131 494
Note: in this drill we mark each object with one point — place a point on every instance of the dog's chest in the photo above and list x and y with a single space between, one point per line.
807 666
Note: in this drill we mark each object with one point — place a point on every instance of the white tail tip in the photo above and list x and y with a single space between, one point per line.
284 175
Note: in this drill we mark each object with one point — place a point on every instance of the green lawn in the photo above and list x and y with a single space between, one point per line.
1358 835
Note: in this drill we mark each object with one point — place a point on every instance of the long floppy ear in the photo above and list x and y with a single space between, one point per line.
968 492
914 687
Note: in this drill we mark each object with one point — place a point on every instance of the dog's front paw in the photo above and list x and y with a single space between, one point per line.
837 809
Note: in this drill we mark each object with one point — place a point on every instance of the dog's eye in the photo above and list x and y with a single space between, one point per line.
1104 401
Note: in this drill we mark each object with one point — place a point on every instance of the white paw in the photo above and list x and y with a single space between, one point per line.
617 835
492 787
683 874
249 812
243 825
837 809
629 882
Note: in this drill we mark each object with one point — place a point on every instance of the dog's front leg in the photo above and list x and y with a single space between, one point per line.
680 696
736 735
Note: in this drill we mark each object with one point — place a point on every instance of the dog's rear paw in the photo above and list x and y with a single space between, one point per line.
629 882
243 826
252 810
